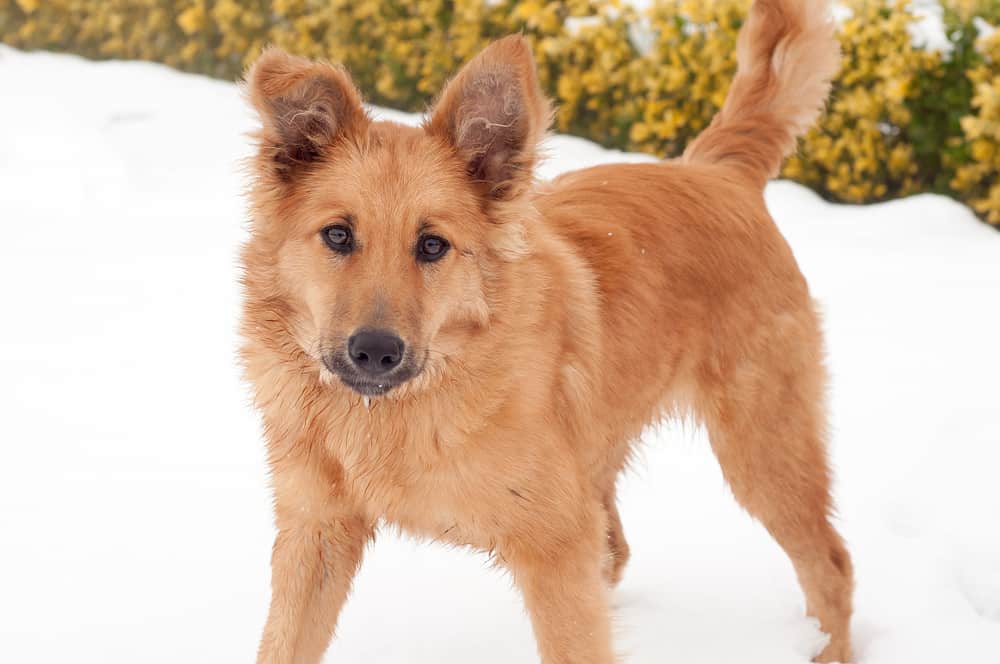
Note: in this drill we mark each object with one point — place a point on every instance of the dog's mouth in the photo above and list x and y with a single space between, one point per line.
368 385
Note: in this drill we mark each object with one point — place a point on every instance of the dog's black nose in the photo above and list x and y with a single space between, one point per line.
375 352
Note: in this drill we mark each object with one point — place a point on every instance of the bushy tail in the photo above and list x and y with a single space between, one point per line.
786 54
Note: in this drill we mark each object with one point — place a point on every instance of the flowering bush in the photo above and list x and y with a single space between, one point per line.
902 119
978 180
861 149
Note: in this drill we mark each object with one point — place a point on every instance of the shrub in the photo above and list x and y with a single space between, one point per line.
978 179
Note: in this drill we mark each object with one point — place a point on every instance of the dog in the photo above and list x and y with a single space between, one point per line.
439 342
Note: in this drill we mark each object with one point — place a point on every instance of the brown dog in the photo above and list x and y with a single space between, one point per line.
438 342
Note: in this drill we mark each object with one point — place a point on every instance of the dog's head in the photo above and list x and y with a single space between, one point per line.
379 245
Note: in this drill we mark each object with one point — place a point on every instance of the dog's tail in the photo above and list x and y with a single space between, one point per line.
786 54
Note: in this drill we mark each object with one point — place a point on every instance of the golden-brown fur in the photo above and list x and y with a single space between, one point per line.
565 318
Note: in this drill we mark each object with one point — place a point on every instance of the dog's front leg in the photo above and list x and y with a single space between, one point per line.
565 594
316 555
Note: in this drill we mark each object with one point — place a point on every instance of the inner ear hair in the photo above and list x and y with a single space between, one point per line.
491 129
493 114
305 121
305 108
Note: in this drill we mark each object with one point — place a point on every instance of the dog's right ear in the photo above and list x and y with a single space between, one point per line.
305 107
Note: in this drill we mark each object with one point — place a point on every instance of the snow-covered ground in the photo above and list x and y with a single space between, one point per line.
134 513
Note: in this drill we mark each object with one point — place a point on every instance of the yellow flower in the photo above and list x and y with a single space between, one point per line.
192 19
639 132
983 150
27 6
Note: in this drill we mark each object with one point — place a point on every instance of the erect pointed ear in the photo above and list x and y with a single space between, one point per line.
305 107
493 114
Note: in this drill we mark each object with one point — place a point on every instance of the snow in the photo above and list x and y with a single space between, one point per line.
133 500
928 30
983 28
574 25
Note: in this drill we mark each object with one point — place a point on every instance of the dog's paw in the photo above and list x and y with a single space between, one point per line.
835 651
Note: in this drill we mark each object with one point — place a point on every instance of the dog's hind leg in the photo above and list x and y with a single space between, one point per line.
618 550
605 485
765 417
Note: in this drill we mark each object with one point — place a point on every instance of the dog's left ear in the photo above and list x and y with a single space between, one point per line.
494 114
305 107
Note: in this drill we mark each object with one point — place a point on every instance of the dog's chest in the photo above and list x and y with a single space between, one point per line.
420 478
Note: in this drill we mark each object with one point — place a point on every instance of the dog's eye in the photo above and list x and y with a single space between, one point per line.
338 238
431 248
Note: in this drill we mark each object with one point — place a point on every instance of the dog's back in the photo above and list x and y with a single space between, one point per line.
681 255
